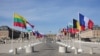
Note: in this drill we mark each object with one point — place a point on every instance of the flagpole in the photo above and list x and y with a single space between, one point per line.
68 35
11 50
69 38
21 39
80 48
73 40
79 42
29 37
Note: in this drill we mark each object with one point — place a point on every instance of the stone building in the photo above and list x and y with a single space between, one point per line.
91 34
6 32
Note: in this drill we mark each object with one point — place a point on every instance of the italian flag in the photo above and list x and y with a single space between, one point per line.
19 21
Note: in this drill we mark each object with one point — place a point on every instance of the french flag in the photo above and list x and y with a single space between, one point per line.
83 21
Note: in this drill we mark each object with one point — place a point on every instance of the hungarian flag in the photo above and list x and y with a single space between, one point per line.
19 21
90 24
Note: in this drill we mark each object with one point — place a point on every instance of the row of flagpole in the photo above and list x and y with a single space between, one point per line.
21 35
81 23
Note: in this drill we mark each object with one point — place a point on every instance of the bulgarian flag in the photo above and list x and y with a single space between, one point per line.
19 21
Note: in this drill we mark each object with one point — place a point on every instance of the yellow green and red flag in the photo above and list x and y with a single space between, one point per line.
19 21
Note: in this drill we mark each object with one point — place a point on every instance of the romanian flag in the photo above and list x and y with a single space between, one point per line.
19 21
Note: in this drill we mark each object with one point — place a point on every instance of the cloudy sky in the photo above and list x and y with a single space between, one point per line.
49 15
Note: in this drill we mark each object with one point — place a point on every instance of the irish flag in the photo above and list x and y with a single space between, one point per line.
19 21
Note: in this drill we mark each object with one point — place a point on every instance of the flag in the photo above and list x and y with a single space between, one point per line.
38 35
69 26
90 24
64 31
74 23
33 31
29 26
19 21
76 26
82 21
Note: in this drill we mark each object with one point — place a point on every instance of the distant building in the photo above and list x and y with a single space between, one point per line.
94 33
6 32
91 34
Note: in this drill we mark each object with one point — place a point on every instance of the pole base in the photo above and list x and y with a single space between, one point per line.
73 48
80 50
11 50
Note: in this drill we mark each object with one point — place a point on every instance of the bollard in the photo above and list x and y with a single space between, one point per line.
15 51
69 46
10 51
32 48
80 50
73 47
91 50
62 49
76 51
28 49
66 49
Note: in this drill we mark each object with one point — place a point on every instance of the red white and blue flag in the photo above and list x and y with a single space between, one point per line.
82 19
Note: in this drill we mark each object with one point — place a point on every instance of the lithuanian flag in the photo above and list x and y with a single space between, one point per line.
19 21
